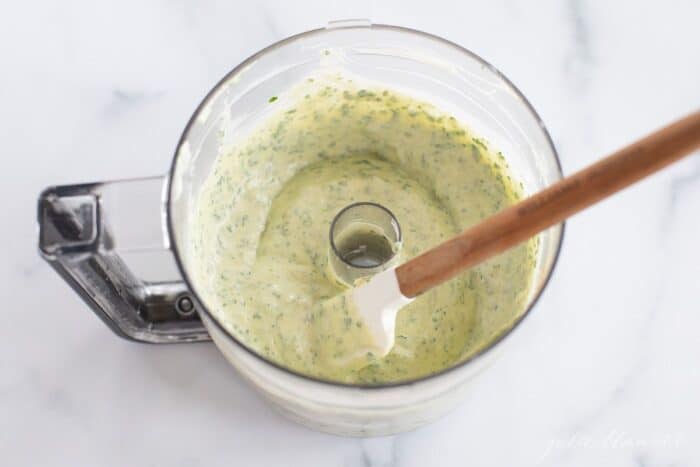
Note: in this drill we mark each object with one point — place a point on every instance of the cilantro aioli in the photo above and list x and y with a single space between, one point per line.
260 248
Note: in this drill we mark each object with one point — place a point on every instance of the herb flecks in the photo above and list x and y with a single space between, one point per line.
260 242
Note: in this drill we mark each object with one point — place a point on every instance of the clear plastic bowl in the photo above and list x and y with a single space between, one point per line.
455 80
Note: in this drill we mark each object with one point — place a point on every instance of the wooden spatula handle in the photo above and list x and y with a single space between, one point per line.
551 206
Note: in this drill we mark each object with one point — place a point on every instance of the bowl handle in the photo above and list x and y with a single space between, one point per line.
108 242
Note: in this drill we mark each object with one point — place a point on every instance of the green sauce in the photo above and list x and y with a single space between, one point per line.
260 240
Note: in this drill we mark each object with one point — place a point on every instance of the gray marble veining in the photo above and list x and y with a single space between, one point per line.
605 371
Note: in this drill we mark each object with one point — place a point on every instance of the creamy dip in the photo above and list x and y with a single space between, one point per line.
260 247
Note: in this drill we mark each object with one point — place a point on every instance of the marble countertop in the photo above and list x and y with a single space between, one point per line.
605 373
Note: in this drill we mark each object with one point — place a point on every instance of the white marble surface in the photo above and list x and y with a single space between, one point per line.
607 369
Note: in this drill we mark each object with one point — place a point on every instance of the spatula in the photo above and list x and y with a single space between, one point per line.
379 300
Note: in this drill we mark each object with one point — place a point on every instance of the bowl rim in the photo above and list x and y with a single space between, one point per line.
169 195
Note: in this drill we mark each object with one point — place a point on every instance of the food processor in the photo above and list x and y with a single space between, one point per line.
123 245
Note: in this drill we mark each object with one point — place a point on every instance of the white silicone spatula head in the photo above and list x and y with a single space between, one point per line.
376 303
